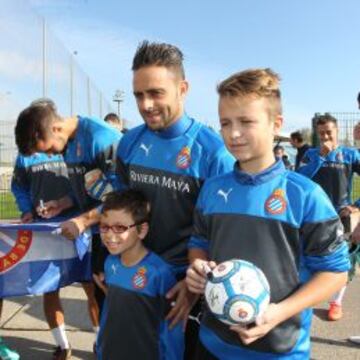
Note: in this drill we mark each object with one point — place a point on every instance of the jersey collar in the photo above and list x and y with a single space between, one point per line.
178 128
261 177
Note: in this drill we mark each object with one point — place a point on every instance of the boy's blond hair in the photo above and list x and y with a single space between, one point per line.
257 83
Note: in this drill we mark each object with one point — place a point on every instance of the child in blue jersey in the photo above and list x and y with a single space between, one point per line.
272 217
332 166
133 324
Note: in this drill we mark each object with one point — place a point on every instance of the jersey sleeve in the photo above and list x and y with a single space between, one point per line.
20 186
310 164
121 167
171 340
105 149
324 247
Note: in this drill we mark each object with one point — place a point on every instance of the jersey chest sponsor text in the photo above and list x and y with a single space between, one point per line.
49 166
161 181
333 165
77 170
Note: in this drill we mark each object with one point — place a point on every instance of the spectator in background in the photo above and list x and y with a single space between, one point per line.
279 153
332 166
297 141
113 120
355 237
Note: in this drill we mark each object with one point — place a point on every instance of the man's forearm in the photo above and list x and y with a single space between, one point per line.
89 218
65 203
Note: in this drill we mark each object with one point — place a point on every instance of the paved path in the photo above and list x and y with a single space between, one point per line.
24 327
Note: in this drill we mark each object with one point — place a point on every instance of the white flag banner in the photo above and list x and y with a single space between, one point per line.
35 259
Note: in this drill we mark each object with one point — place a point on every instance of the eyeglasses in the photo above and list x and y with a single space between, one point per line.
116 229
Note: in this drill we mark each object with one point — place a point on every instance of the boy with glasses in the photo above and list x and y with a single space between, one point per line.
137 281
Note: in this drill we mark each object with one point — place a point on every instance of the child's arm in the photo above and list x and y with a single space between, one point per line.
321 286
325 255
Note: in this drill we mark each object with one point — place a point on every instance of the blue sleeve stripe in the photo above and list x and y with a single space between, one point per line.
338 261
198 242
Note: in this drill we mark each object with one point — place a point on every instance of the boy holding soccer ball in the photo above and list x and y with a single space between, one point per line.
274 218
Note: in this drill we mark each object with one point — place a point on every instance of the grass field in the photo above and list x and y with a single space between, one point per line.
8 208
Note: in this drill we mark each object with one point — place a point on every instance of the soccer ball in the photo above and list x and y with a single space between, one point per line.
237 292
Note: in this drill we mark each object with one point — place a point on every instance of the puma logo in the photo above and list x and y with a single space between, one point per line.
224 194
114 268
146 149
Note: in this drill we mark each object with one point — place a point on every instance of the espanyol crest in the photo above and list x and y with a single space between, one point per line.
183 160
13 250
139 280
276 203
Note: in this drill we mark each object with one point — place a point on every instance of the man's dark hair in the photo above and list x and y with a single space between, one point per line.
33 124
159 54
326 118
44 102
358 98
298 136
131 201
112 117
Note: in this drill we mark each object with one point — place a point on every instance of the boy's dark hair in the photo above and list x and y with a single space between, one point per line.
326 118
159 54
358 98
112 117
33 124
298 136
132 201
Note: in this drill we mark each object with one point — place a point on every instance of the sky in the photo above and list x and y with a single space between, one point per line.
313 45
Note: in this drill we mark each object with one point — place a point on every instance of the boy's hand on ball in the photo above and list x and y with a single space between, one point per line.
264 324
196 275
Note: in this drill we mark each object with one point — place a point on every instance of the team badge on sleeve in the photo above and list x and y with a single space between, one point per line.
183 160
276 203
139 280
